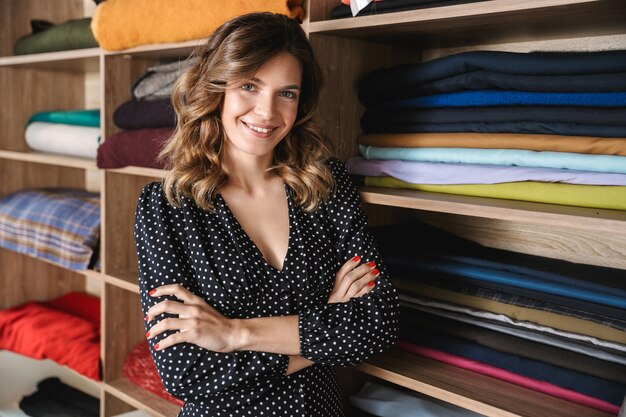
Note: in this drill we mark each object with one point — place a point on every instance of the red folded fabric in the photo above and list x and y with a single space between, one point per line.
38 331
139 368
78 304
505 375
138 147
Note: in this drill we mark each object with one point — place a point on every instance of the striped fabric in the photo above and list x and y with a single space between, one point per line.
56 224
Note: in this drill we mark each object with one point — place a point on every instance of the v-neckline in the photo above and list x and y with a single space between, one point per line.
253 245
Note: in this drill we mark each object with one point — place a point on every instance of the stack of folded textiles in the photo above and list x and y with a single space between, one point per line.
389 6
65 132
547 127
148 120
544 324
48 37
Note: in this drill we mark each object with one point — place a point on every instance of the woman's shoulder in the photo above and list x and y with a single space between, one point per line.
153 199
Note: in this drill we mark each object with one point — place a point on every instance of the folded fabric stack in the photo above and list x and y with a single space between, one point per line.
148 119
54 398
122 24
48 37
65 132
65 330
544 324
389 6
58 225
543 127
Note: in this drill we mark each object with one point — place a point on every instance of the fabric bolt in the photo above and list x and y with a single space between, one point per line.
63 139
53 398
145 114
531 127
90 117
139 369
503 374
385 83
118 24
157 82
59 225
606 390
556 143
489 98
402 117
72 34
343 10
218 261
544 318
40 332
486 80
618 350
138 147
453 173
413 321
387 402
595 196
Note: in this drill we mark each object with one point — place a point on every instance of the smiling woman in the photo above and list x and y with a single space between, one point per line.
257 272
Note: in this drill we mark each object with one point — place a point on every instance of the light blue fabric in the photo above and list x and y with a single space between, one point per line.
485 98
539 159
386 402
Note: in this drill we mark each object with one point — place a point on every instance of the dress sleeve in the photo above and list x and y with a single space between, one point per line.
189 372
349 333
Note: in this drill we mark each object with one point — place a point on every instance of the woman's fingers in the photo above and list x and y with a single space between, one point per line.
364 282
177 290
352 279
165 325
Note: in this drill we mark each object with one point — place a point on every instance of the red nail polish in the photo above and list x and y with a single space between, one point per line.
371 284
371 264
147 318
147 334
152 292
374 272
156 347
356 258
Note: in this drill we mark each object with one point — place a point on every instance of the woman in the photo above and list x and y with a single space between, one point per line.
256 271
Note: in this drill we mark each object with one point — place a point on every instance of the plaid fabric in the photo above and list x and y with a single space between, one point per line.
57 224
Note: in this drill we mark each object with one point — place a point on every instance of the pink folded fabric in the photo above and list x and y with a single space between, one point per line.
507 376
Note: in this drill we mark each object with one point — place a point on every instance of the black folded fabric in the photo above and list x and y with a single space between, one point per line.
388 83
145 114
485 80
389 6
53 398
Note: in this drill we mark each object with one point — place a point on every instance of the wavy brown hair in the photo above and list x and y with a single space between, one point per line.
232 55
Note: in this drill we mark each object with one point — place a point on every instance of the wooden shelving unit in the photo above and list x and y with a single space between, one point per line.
347 49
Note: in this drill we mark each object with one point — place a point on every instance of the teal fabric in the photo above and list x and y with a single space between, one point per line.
89 118
561 160
73 34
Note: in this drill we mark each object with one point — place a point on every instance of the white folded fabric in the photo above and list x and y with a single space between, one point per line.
81 141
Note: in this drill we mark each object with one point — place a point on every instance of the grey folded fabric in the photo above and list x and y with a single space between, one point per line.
158 81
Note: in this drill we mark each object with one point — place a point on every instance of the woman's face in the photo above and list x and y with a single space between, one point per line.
258 114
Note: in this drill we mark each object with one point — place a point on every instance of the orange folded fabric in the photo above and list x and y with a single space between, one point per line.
122 24
556 143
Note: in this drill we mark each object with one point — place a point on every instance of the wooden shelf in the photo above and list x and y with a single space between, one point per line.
128 283
140 171
536 213
77 60
160 50
470 390
491 21
50 159
141 399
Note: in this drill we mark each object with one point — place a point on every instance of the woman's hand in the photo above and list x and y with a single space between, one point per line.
198 322
353 280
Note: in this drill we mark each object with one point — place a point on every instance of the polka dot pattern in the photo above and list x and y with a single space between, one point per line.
211 255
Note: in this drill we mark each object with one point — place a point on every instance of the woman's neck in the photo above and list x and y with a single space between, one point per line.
248 172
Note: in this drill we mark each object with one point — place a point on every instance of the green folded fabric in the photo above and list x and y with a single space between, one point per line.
89 118
73 34
596 196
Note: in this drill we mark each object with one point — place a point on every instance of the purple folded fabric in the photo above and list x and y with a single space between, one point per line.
142 114
138 147
448 173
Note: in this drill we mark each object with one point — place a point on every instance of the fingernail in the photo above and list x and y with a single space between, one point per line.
375 272
152 292
147 334
371 284
147 318
371 264
156 347
356 258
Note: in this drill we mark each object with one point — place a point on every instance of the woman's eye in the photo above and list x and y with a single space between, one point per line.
247 87
288 94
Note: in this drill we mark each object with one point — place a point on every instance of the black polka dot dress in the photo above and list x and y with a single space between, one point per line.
211 255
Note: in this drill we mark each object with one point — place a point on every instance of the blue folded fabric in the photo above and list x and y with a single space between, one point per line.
388 83
485 98
57 224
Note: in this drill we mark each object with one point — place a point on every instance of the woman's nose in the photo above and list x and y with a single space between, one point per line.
264 106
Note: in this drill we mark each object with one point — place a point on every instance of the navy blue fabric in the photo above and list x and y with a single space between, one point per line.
601 388
386 83
388 6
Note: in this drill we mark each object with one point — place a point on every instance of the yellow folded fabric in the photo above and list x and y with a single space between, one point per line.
122 24
596 196
545 318
556 143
